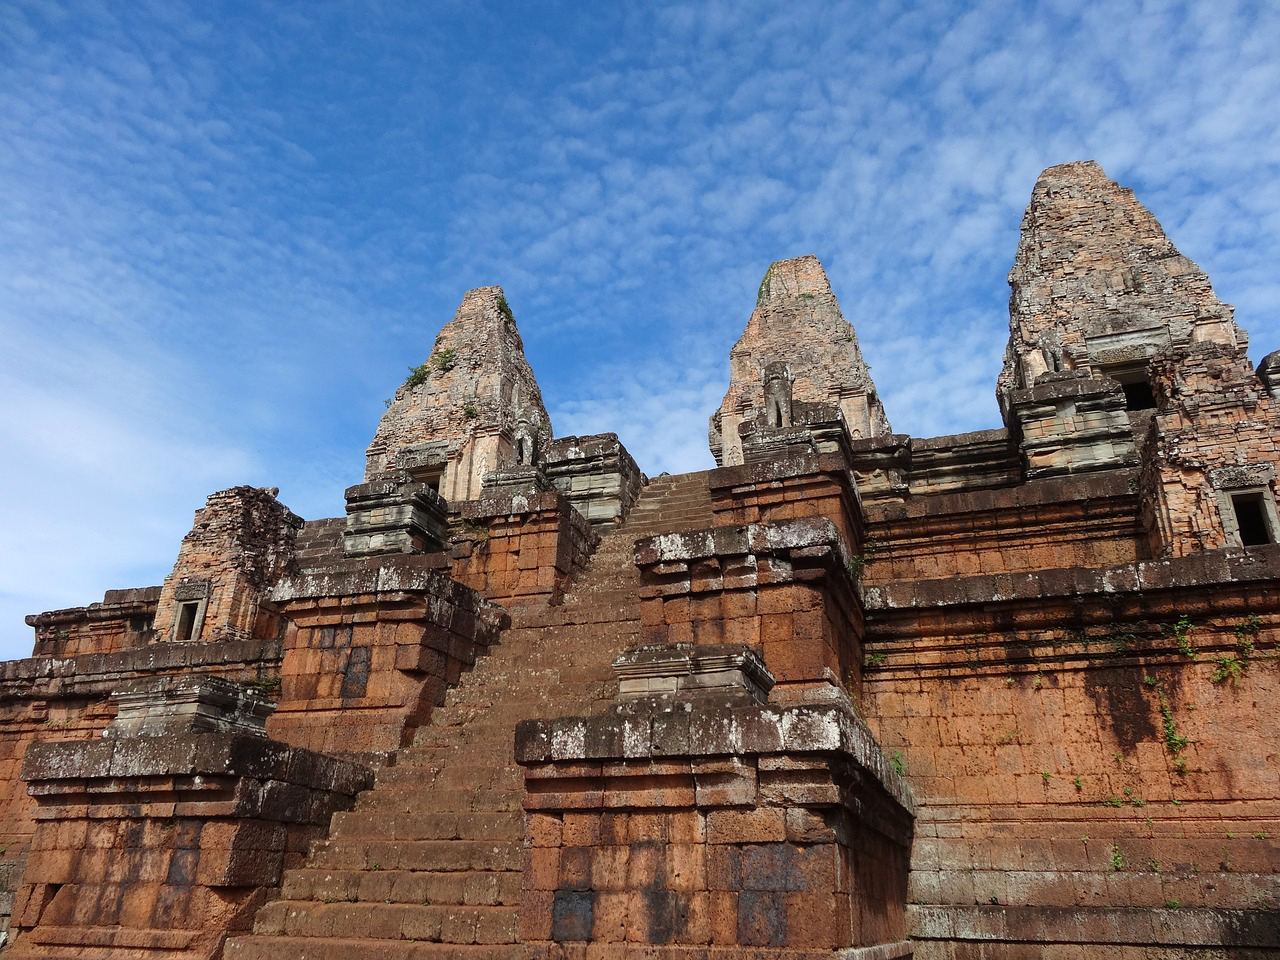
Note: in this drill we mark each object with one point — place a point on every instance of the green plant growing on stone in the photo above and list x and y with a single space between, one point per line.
1044 775
418 375
762 292
1231 667
898 762
857 563
1121 638
873 660
1180 630
445 360
1078 784
470 411
504 308
1117 859
1173 742
1171 904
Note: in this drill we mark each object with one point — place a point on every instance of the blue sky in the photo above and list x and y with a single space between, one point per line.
229 230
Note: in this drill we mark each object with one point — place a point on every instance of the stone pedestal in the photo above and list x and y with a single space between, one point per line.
784 589
393 515
520 549
671 829
160 845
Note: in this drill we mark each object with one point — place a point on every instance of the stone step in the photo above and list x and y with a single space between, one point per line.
275 948
428 863
408 799
448 923
353 825
475 888
436 855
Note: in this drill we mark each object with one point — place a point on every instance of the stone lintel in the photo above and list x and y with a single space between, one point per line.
1091 927
514 481
170 705
395 573
190 755
662 730
510 505
805 537
1235 570
729 670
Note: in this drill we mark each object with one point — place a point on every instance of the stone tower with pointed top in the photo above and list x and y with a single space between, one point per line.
1098 289
797 353
473 407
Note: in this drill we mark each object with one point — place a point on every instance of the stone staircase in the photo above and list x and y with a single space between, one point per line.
428 864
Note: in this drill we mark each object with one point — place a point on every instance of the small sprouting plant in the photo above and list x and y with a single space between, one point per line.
1149 680
1181 632
1153 865
1174 743
375 865
470 411
1171 904
1077 784
1117 859
898 762
1229 669
873 660
1038 682
1246 632
1232 666
1121 638
1260 835
1044 775
857 563
1113 802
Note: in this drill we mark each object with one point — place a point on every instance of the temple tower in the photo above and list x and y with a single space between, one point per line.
796 365
473 407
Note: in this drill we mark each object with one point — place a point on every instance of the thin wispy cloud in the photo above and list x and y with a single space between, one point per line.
228 233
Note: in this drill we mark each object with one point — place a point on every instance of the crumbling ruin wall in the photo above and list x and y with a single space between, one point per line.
243 540
1209 467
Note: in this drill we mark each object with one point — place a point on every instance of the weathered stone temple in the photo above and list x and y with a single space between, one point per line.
851 694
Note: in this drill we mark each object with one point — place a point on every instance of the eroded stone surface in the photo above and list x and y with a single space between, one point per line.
797 350
475 407
1097 286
